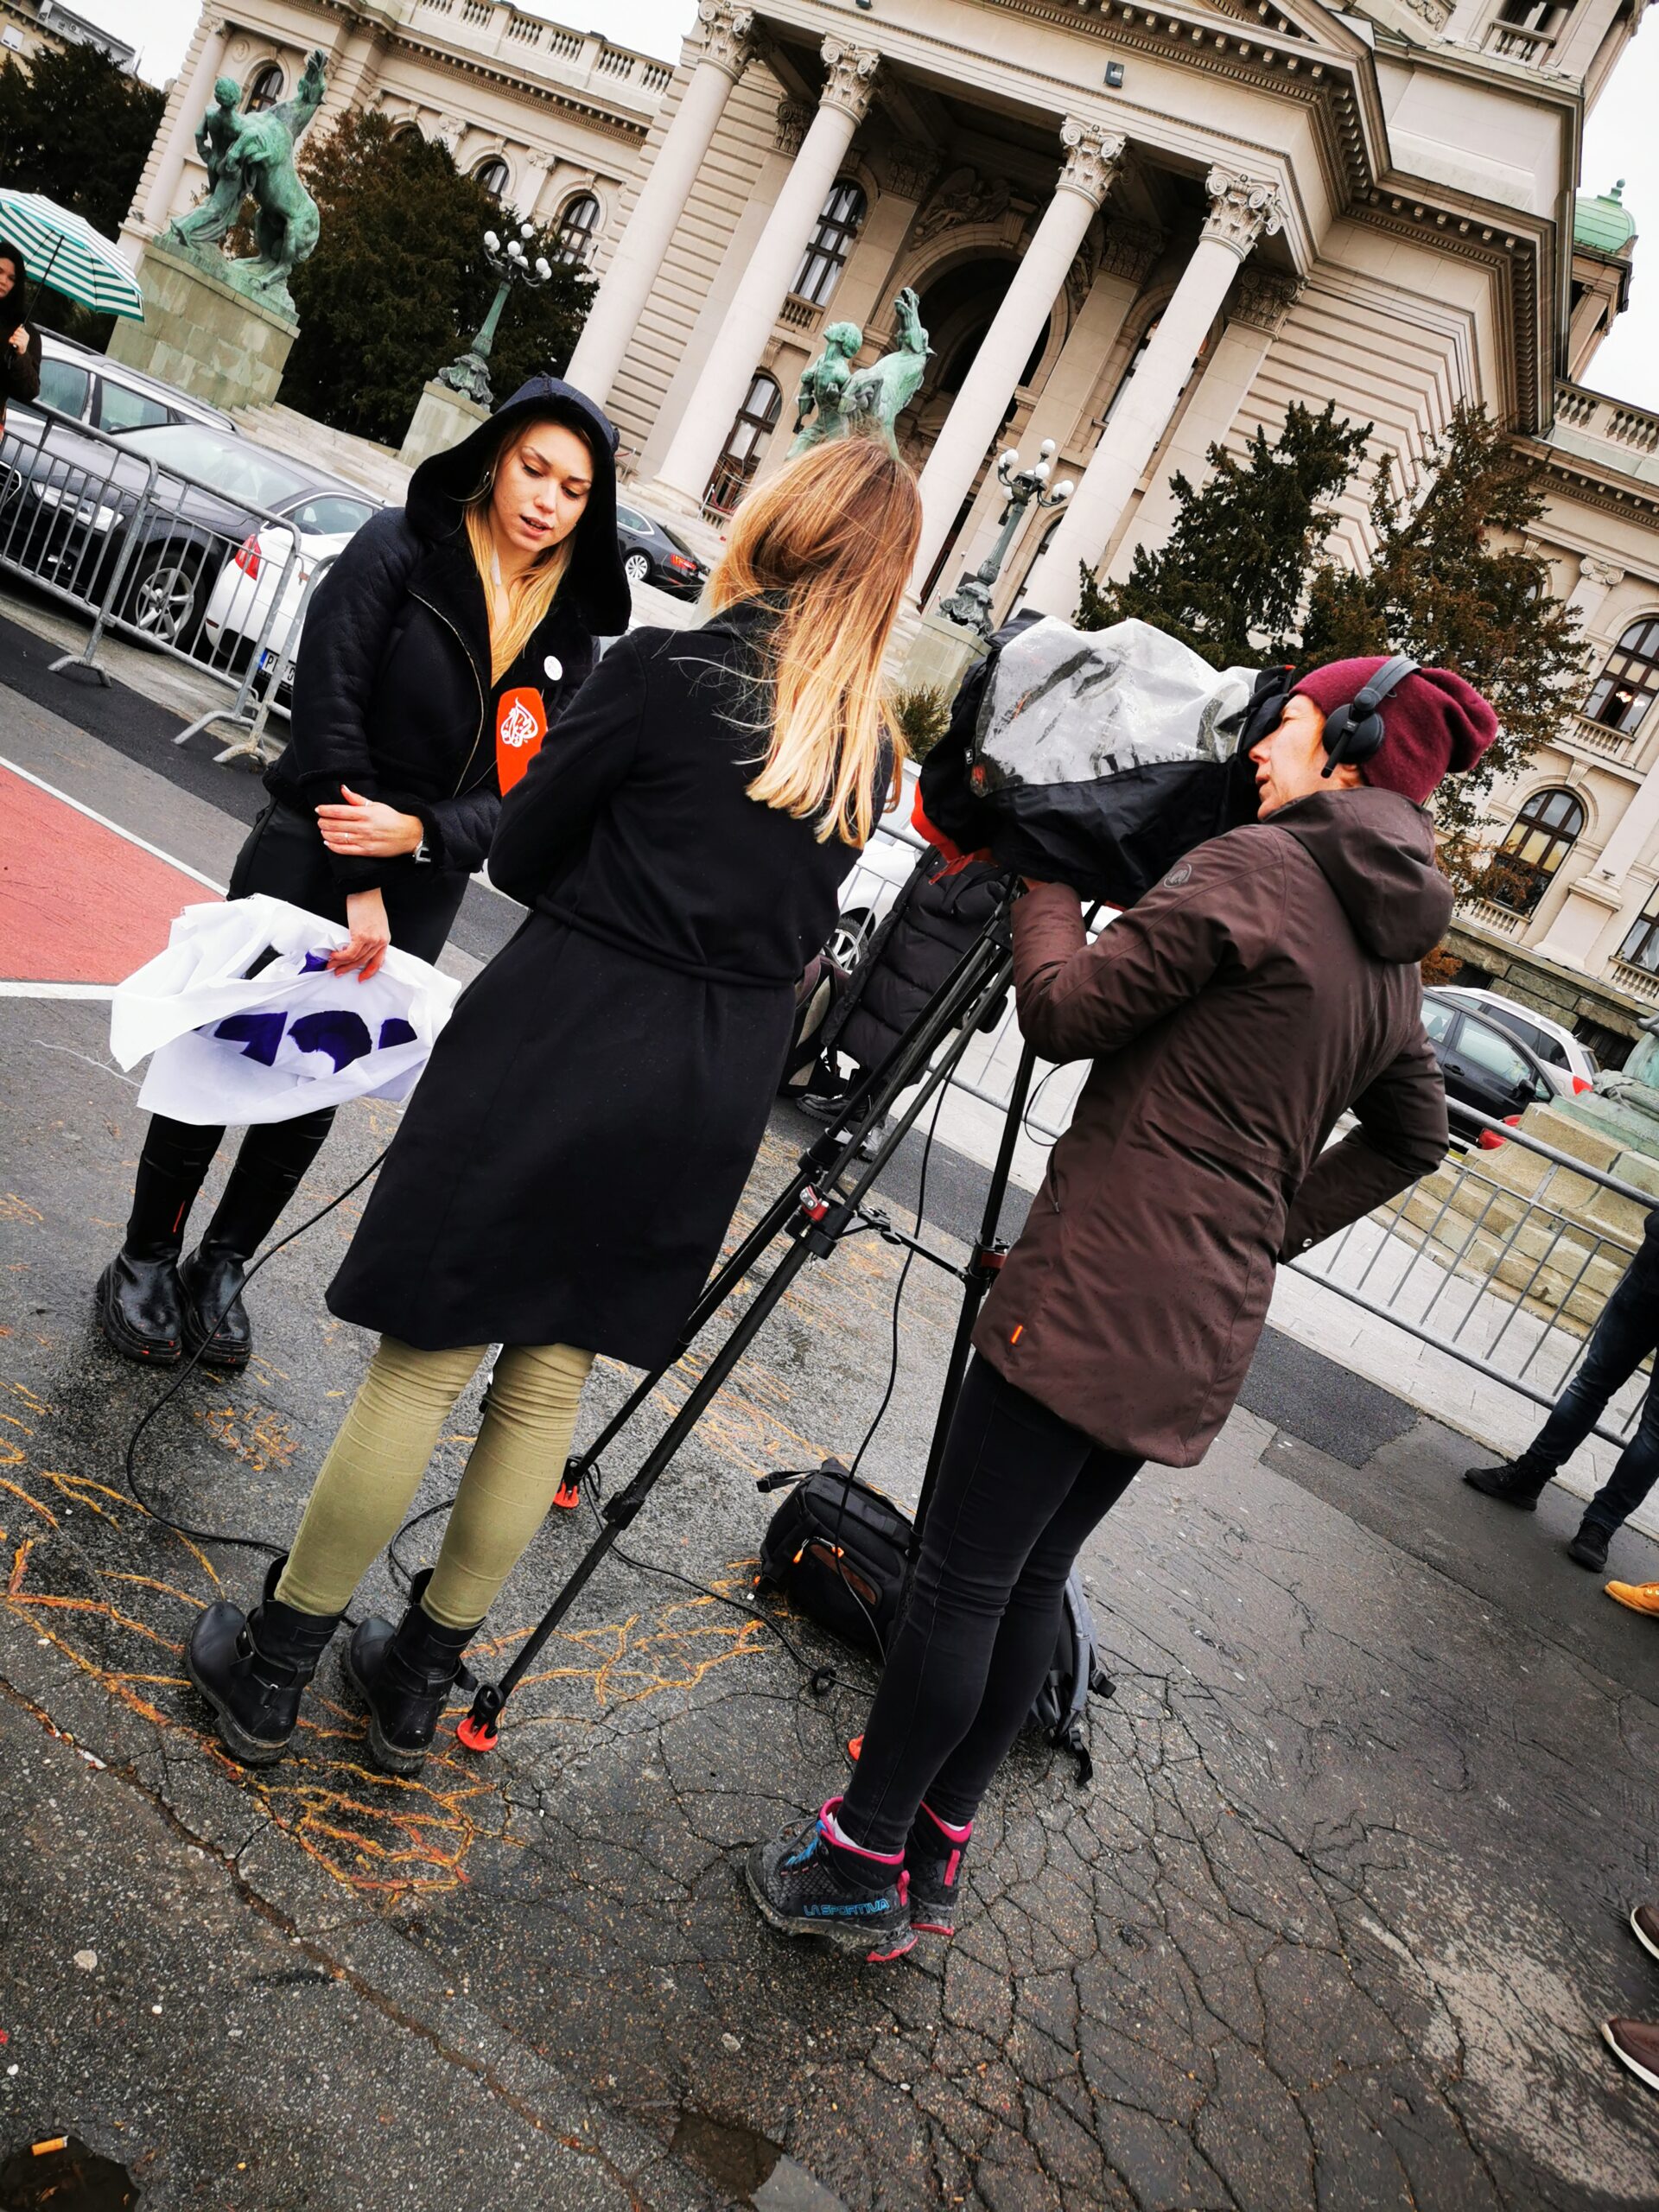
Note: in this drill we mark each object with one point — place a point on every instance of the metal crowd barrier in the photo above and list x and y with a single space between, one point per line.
130 552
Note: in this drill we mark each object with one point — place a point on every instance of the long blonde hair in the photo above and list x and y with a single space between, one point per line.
830 541
528 596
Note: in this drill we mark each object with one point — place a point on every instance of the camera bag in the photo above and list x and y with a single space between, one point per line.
839 1551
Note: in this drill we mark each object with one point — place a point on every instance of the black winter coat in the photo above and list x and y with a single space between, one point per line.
568 1163
20 373
392 690
933 923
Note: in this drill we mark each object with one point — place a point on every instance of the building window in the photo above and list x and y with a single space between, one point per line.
492 175
577 227
1539 839
1641 948
1627 686
756 419
830 243
264 90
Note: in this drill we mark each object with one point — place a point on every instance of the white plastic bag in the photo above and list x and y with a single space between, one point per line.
1066 706
228 1047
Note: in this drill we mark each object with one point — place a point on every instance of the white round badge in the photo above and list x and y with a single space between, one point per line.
553 669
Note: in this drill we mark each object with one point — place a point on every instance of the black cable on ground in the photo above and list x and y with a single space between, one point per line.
165 1520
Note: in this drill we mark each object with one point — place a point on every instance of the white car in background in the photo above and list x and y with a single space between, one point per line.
262 579
878 875
1568 1061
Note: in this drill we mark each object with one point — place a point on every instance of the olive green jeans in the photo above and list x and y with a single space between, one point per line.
374 1468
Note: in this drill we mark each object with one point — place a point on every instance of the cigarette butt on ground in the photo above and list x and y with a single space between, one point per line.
57 2143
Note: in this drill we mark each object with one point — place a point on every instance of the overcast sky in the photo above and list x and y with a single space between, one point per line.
1620 139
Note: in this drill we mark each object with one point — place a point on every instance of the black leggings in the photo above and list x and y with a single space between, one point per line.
1017 1490
174 1164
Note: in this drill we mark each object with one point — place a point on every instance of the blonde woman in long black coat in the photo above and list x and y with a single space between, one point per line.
569 1162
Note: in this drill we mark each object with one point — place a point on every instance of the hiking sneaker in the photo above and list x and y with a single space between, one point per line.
1589 1547
934 1851
818 1882
1640 1597
1515 1482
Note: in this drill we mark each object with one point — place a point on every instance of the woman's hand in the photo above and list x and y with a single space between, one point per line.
366 829
370 933
20 339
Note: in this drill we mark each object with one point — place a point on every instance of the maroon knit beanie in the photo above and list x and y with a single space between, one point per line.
1434 723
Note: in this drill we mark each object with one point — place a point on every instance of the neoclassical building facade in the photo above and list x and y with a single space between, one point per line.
1135 231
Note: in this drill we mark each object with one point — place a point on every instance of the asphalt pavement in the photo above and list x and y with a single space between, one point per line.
1333 1927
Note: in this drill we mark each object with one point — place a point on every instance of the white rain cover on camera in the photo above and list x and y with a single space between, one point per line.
1066 706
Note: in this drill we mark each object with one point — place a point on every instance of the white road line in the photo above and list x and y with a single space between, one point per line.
57 990
104 821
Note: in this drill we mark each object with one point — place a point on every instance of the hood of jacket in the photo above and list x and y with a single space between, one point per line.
1376 851
440 486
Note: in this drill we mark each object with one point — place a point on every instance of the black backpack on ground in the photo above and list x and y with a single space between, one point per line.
839 1551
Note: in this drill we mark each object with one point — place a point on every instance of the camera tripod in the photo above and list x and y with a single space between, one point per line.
813 1212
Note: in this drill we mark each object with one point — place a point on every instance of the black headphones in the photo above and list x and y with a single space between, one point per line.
1354 734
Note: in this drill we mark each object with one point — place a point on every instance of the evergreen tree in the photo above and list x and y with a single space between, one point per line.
79 130
1232 577
398 283
1451 584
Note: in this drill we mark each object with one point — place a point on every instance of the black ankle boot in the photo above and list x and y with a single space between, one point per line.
404 1676
211 1281
140 1306
253 1667
1519 1482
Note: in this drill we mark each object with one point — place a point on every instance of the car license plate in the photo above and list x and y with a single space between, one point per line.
267 660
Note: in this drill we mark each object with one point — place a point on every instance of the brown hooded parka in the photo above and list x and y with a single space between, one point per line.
1268 983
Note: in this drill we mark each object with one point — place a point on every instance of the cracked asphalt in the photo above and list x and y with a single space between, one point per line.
1334 1927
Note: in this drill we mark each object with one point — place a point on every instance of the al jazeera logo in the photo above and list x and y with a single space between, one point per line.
520 726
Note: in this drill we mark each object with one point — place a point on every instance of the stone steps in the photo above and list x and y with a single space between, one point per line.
373 468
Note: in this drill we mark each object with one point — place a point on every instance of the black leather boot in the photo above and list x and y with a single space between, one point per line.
253 1667
211 1283
404 1676
1520 1483
140 1306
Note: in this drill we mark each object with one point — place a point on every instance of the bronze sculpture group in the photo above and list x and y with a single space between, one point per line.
251 155
833 398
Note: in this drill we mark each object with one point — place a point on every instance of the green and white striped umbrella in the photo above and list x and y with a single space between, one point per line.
68 255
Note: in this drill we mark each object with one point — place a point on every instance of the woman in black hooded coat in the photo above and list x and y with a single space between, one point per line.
449 635
20 346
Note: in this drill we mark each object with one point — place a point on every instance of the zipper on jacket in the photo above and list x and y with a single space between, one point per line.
483 710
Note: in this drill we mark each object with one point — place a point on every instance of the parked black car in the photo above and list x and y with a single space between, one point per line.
652 553
1484 1067
69 504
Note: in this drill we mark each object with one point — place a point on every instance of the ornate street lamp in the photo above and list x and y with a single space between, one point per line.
1027 490
470 375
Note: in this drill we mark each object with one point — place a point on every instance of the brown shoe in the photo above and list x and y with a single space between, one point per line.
1635 2044
1645 1921
1640 1597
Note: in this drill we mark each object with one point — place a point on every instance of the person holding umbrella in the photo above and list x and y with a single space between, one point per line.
20 346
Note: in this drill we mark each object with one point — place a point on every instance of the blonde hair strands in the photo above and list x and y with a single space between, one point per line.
529 596
830 539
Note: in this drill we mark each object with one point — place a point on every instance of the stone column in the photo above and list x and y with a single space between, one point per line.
710 414
1242 208
627 286
1092 155
1256 308
175 139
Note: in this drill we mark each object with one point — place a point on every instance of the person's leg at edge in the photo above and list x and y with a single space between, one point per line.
1627 1332
252 1668
1635 1472
1009 1465
405 1673
273 1160
140 1303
